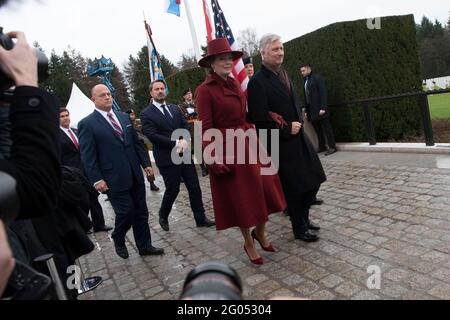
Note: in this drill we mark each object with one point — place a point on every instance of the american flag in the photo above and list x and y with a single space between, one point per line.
223 30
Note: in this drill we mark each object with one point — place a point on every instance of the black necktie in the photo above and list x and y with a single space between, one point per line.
166 112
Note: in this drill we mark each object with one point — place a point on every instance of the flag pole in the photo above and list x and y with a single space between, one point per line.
193 32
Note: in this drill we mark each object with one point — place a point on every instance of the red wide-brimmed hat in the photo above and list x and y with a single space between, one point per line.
216 47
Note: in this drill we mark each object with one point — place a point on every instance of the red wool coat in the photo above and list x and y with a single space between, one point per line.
242 197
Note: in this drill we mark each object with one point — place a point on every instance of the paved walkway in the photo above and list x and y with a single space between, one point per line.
383 210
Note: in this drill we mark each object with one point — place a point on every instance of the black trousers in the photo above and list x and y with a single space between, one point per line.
131 211
298 206
324 131
172 180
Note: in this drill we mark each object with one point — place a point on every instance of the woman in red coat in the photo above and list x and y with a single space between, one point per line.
242 196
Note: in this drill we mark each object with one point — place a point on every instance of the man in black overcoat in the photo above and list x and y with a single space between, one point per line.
272 104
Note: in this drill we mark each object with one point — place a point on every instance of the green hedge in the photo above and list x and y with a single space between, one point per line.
356 63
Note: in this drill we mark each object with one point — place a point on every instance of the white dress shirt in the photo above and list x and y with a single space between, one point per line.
66 131
160 108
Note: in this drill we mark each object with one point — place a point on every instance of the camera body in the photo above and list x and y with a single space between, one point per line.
212 281
7 43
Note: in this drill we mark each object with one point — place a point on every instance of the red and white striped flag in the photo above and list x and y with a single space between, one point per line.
217 27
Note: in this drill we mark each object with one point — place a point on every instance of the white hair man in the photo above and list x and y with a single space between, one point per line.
272 104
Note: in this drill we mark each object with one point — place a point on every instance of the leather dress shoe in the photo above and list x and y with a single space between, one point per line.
330 151
313 226
317 202
321 150
121 251
103 229
152 251
307 237
286 212
206 223
164 223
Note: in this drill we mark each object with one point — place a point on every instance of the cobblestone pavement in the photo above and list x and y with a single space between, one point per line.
391 216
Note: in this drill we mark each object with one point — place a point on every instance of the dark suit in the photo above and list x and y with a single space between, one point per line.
159 128
300 171
315 93
70 157
106 157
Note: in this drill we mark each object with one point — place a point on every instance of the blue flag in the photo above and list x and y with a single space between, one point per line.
173 6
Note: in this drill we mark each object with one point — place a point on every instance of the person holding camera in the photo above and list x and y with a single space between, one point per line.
32 157
34 127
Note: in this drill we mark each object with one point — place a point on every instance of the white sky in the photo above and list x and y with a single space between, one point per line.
115 28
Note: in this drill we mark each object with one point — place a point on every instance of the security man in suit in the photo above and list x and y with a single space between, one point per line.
317 111
112 157
70 157
159 120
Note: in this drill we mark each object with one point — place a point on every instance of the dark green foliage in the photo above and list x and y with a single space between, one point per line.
434 48
137 73
167 66
427 30
356 63
435 56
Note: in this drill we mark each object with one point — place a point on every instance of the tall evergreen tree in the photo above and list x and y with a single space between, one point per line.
434 43
187 62
122 91
137 74
168 67
59 81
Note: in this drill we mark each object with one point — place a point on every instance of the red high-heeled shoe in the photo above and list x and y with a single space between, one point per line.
269 248
258 261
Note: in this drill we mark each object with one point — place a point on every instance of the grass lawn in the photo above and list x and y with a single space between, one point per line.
440 106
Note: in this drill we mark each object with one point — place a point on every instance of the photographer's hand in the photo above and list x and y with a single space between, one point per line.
20 63
7 261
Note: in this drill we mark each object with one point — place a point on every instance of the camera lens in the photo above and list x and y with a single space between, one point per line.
7 43
212 281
